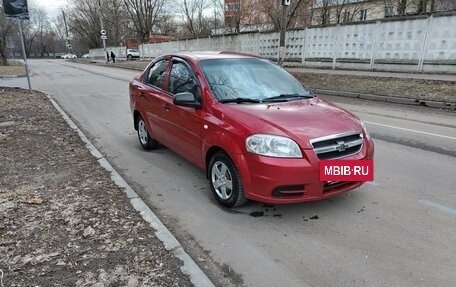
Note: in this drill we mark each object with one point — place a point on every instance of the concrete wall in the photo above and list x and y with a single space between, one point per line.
420 44
120 52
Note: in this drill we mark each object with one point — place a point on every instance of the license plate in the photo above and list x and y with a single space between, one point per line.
346 170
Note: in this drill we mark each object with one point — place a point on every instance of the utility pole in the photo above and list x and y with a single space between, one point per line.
283 28
102 29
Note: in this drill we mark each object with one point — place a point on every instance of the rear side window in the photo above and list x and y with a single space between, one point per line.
181 79
156 74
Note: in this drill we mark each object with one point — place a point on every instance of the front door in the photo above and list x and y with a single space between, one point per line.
184 124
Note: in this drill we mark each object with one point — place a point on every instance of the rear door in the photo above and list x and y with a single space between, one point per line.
152 95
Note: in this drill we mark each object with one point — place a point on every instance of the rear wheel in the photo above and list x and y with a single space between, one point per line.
144 137
225 181
129 57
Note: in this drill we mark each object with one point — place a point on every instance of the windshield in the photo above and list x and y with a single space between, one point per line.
254 79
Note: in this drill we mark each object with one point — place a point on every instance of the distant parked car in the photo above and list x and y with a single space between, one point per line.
132 53
257 132
86 56
69 56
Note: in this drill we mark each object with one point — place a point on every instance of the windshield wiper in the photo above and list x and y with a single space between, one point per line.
286 97
240 100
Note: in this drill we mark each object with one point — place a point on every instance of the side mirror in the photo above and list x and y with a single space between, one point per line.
186 99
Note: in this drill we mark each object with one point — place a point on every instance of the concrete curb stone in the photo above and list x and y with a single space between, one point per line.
372 97
388 99
404 101
12 76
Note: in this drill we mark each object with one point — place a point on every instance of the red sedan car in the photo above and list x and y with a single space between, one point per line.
257 132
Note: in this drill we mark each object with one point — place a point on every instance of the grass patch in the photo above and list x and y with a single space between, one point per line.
14 68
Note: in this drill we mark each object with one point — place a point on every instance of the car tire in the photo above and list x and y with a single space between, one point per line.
225 181
144 137
129 57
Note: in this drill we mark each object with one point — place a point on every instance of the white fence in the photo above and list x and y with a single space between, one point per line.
425 44
120 52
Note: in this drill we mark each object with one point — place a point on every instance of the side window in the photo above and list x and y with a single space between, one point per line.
181 79
156 73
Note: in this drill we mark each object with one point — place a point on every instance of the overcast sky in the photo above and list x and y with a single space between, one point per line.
53 7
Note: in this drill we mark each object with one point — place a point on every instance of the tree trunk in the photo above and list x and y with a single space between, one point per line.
422 7
3 53
402 7
432 8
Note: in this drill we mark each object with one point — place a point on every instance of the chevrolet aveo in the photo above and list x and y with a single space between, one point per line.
257 132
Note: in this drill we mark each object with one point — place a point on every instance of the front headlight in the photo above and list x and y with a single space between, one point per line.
274 146
365 130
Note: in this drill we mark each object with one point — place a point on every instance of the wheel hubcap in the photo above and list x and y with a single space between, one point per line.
142 131
222 180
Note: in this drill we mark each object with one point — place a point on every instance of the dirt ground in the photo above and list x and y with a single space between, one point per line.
62 220
393 87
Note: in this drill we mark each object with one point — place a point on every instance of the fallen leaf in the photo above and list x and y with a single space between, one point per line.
35 200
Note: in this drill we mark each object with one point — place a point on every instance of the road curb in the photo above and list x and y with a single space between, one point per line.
189 267
389 99
12 76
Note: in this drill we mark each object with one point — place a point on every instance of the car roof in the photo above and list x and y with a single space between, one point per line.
205 55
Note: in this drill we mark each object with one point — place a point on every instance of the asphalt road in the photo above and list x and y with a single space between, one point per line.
399 230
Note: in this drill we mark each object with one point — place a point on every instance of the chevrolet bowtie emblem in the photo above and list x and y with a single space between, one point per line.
341 146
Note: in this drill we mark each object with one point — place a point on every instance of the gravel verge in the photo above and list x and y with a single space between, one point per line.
62 219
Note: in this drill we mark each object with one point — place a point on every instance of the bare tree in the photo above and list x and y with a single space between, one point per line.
296 12
83 19
339 7
43 28
58 27
167 25
401 7
192 14
35 28
325 11
237 11
116 21
144 15
6 29
84 22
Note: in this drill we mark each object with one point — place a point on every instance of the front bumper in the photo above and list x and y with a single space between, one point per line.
280 180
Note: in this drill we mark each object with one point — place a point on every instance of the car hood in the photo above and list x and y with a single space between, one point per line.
300 120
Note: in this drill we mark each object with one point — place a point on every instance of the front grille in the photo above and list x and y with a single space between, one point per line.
334 186
338 146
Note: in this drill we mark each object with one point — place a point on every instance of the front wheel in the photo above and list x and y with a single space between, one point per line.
129 57
225 181
144 137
